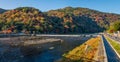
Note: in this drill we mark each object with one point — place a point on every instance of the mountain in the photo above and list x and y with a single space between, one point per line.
2 10
22 19
101 18
67 20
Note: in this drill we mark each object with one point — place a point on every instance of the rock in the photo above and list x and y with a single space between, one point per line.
51 48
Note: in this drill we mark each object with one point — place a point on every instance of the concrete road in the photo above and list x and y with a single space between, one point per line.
111 55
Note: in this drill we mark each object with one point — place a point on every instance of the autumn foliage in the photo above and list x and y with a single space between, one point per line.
85 52
67 20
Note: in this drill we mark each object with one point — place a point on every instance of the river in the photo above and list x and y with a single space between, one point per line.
35 53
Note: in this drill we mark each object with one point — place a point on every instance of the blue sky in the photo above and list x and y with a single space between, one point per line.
112 6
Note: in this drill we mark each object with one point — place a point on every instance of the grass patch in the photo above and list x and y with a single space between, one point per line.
85 52
115 44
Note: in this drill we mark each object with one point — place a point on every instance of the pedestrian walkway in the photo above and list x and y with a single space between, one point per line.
111 55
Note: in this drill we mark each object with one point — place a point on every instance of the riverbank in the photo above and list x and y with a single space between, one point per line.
85 52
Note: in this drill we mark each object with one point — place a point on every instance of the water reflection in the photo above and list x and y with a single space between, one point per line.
49 55
47 52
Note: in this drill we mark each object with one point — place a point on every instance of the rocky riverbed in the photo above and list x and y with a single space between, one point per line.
13 50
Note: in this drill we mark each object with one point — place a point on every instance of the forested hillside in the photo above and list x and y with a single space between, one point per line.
2 10
67 20
103 19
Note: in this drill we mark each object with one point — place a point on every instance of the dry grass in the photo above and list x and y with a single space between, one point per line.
84 52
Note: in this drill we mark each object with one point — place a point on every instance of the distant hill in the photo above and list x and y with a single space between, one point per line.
101 18
68 20
2 10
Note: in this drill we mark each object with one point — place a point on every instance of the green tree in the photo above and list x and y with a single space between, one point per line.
117 26
114 27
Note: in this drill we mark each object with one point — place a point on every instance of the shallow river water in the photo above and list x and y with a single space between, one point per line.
51 53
